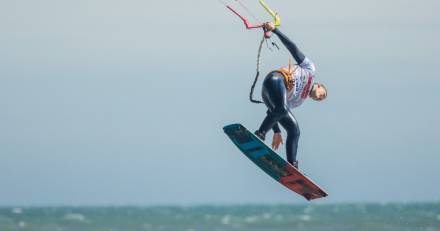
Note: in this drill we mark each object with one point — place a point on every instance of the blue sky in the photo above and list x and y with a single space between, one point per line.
114 103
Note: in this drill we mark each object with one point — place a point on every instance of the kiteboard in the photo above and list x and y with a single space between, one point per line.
271 163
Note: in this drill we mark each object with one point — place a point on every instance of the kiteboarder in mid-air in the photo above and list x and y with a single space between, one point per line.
285 89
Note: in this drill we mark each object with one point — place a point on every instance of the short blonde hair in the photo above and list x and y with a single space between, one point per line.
323 86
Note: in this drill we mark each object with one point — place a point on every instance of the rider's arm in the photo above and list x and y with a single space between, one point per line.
293 49
275 128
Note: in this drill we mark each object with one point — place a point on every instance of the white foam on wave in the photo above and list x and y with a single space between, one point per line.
21 224
305 217
75 217
207 216
308 209
251 219
17 211
279 217
226 220
267 216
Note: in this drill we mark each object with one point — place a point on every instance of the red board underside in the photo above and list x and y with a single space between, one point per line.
301 184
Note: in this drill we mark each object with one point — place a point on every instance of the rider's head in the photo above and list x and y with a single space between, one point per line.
318 92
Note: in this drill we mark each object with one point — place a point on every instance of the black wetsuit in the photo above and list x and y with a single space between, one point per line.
274 96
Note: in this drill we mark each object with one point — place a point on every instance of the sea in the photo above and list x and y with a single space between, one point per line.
312 217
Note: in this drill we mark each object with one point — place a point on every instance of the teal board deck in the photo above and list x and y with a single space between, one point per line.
271 163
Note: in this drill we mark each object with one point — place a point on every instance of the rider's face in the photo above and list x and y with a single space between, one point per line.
318 92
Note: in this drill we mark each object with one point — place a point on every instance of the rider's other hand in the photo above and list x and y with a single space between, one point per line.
276 140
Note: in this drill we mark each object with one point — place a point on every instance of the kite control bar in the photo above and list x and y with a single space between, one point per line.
276 17
265 38
249 26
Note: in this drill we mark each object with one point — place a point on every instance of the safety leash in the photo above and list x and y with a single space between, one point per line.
265 38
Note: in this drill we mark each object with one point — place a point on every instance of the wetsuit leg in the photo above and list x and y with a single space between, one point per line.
274 96
291 125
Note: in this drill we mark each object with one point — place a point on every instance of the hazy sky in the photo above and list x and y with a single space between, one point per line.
123 102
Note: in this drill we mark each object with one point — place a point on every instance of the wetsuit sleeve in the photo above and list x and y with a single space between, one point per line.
275 128
293 49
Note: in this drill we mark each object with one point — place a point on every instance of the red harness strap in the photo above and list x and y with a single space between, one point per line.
306 90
